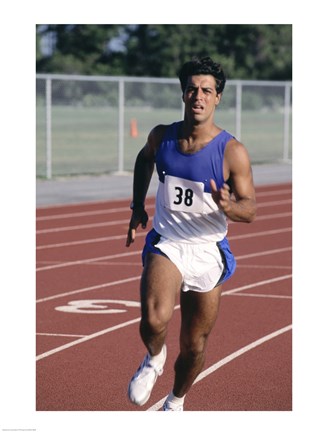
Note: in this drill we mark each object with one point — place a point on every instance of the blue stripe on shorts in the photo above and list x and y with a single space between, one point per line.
228 260
151 240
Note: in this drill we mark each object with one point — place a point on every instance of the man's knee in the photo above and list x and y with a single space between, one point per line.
155 319
193 347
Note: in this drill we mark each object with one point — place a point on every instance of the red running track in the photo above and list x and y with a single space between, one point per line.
88 344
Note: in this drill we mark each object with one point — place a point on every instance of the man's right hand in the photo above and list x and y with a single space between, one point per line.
139 217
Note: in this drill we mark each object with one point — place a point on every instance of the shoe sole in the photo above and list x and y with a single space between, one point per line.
141 402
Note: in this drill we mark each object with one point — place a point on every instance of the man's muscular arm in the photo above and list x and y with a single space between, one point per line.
238 170
143 170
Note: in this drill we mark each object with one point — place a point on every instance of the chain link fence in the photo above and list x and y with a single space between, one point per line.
97 125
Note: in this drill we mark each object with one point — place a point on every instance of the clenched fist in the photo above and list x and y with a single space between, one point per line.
139 217
222 197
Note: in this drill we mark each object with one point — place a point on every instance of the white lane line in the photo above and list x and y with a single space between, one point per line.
60 335
268 252
261 266
142 234
83 226
266 217
275 192
125 254
260 234
274 203
90 260
228 359
87 213
86 338
277 296
92 240
126 208
91 288
256 284
126 221
136 278
119 326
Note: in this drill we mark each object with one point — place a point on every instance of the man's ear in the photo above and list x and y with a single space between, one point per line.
218 98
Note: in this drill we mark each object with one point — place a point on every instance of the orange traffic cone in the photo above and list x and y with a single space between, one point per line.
133 129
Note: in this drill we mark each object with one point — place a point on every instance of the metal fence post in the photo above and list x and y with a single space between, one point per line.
48 128
286 123
238 110
121 120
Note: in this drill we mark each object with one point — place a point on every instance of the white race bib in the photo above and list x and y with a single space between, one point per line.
183 195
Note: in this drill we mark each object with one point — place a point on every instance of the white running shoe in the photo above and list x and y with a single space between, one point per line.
142 383
169 406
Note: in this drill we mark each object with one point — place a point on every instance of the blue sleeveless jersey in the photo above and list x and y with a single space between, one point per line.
203 165
185 210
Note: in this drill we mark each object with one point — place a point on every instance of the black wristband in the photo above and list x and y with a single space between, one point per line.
135 205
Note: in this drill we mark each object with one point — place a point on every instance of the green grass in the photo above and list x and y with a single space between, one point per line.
85 139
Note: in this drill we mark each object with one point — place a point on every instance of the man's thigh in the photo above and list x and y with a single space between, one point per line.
160 284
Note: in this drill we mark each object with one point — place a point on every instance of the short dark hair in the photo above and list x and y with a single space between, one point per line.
202 66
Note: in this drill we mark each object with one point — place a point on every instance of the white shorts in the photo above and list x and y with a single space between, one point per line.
202 266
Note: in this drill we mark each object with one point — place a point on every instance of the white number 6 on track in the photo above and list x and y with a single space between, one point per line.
96 306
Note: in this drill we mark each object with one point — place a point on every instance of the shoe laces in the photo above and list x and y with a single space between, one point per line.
146 368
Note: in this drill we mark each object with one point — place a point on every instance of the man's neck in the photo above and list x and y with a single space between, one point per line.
193 137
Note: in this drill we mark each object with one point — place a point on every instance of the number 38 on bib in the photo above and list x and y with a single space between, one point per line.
183 195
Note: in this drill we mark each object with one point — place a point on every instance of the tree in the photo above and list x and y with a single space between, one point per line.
246 51
80 49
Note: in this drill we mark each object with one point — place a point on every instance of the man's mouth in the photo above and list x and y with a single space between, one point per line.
197 108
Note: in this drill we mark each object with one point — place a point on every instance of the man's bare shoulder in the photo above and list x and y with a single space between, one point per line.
158 132
236 159
156 135
234 145
236 151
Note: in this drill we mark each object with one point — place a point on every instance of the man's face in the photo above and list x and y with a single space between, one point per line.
200 97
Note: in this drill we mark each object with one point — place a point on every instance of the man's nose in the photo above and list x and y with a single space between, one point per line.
199 93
